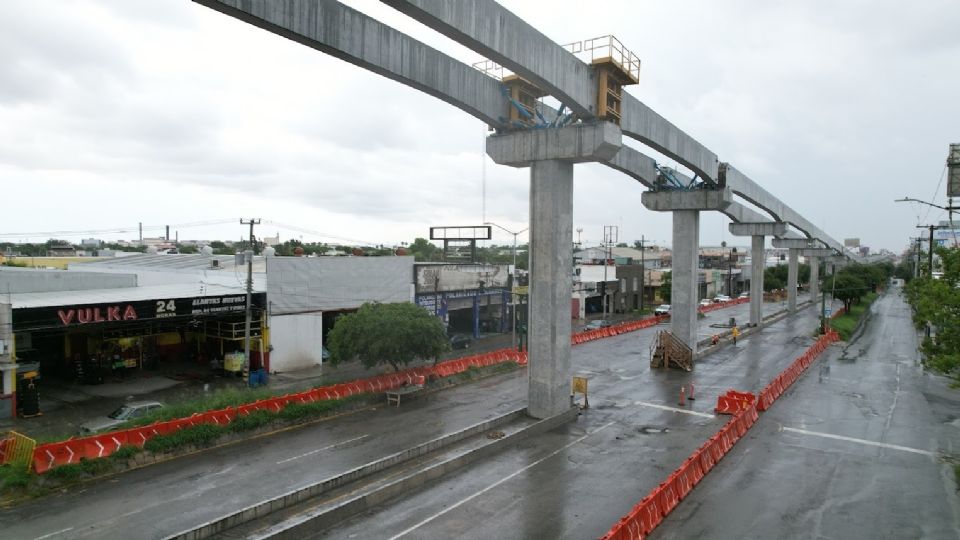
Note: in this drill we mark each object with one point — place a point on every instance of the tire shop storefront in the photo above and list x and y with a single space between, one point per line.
111 334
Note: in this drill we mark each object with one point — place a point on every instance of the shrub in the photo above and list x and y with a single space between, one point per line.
13 477
66 473
251 421
125 452
200 435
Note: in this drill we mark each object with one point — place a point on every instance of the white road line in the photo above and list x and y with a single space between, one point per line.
498 482
674 409
329 446
54 533
860 441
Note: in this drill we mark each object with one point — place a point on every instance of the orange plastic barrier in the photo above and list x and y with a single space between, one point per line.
733 402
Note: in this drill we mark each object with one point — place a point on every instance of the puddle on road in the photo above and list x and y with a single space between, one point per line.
653 430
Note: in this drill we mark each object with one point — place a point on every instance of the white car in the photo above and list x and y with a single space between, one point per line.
705 302
126 412
662 309
720 298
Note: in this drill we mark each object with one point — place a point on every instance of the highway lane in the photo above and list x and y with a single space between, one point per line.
853 450
169 497
578 480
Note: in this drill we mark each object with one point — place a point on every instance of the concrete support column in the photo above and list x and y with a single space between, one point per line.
686 207
685 276
814 277
551 228
757 231
757 267
792 280
550 154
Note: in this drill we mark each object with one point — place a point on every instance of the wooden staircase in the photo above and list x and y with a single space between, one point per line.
667 351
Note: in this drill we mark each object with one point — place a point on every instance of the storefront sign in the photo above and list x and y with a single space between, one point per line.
85 315
26 319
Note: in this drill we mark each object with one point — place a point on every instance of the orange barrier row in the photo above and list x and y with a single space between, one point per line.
721 305
48 456
787 377
616 329
652 509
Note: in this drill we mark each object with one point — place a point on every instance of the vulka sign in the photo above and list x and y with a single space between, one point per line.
97 315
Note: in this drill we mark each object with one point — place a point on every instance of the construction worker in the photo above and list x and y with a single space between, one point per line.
735 333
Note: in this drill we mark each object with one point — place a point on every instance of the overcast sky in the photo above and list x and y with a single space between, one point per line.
166 112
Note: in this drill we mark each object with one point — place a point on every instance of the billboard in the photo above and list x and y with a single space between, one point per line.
852 243
432 278
953 171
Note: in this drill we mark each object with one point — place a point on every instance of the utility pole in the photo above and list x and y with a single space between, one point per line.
931 228
248 256
643 267
513 326
610 233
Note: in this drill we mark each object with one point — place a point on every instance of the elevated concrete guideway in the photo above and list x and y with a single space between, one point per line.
489 29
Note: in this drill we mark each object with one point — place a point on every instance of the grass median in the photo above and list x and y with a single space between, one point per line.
846 324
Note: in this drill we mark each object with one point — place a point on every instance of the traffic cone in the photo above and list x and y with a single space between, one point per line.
683 397
691 398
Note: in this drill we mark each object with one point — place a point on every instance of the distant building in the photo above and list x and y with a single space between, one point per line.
91 243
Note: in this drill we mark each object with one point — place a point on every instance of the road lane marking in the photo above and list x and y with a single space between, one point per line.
68 529
674 409
498 482
860 441
329 446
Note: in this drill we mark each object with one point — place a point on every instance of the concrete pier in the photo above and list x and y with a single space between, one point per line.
550 154
686 207
757 231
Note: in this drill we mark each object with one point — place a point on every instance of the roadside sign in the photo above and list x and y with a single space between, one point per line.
826 312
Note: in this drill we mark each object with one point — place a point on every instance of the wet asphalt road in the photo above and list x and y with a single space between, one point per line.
853 450
573 482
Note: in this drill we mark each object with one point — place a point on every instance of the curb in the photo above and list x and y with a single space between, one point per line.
265 508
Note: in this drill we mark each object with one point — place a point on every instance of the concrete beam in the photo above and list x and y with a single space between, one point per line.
671 201
817 252
345 33
634 164
643 124
793 243
752 192
770 228
491 30
577 143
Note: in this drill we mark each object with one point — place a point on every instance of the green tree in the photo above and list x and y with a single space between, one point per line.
424 251
848 288
666 286
936 306
394 334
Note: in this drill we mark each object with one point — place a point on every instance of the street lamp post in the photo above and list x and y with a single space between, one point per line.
513 317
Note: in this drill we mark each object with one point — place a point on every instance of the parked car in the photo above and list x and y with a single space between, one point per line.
720 298
324 354
706 302
662 309
597 324
460 341
744 295
128 411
